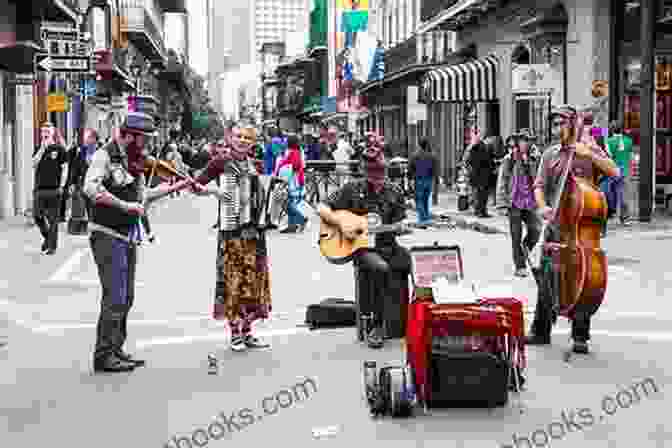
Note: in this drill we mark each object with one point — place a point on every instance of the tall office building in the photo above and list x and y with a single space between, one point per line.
280 20
236 31
230 42
176 32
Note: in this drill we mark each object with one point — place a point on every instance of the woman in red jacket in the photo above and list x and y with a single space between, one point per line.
295 219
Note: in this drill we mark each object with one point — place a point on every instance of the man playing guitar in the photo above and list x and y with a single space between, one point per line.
372 195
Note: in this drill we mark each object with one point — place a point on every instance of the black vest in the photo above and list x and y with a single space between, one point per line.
121 184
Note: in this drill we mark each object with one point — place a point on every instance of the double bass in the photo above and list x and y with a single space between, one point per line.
579 260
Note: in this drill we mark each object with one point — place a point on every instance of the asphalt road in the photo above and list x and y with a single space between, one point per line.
49 306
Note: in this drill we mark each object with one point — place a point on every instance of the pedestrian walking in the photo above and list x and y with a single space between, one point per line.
295 167
80 160
423 168
49 159
481 163
242 287
116 184
515 194
620 149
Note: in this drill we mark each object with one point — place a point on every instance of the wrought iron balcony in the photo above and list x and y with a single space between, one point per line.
401 56
431 8
173 5
140 25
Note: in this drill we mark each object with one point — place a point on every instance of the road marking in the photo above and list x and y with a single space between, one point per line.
49 328
65 271
57 327
219 336
648 335
620 270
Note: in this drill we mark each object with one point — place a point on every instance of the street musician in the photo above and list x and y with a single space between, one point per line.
558 285
115 183
377 267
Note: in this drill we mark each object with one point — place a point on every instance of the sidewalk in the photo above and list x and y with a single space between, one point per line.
447 214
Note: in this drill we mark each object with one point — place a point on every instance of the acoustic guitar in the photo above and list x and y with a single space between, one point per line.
338 249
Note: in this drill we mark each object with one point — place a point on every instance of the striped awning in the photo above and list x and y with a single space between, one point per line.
471 81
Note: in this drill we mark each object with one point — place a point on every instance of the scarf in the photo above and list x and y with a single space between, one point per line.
375 170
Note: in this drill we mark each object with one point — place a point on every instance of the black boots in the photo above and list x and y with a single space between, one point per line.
112 364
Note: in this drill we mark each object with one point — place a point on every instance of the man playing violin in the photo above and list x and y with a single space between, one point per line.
374 194
589 161
115 182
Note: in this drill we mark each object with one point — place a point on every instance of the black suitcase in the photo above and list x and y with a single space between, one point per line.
331 313
395 308
467 379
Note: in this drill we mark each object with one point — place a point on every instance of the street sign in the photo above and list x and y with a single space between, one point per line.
88 87
57 102
70 35
45 62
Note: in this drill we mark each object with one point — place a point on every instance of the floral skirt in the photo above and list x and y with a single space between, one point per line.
243 284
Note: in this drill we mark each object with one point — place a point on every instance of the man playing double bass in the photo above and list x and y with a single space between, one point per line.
589 161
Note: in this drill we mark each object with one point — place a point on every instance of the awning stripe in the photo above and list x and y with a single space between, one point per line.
471 81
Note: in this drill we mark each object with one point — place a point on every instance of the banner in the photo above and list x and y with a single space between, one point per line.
354 44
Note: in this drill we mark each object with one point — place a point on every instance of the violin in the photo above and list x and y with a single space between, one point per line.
581 262
164 170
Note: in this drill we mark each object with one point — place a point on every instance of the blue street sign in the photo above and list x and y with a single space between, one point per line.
88 87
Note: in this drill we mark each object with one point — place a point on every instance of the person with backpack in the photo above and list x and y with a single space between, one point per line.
620 149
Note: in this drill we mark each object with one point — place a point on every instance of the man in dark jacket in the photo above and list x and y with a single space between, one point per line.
48 160
423 168
481 163
80 158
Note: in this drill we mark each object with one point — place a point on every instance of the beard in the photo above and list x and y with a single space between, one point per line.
567 135
136 159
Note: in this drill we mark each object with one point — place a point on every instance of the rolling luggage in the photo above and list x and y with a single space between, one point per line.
331 313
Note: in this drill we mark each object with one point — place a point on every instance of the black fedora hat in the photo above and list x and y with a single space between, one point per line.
139 123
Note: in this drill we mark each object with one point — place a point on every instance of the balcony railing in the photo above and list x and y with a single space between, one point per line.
402 56
142 28
431 8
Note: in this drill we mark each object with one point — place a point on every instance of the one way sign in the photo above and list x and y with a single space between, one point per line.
45 62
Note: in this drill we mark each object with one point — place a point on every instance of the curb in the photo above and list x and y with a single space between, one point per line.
451 220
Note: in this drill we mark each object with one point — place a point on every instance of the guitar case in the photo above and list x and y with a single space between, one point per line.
331 313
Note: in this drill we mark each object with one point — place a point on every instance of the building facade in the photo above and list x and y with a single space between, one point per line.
129 61
526 56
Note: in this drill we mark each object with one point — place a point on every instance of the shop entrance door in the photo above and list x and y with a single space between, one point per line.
531 112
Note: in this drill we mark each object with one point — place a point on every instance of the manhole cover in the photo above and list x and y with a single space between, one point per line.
622 261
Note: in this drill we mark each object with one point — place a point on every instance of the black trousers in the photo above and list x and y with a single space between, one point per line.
116 261
46 212
518 217
145 224
64 203
381 275
482 194
544 314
